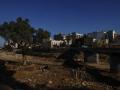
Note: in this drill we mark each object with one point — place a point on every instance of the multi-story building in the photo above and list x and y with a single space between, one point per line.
108 36
56 43
52 43
97 35
76 35
102 38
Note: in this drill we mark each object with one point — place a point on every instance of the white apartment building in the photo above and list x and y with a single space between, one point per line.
57 43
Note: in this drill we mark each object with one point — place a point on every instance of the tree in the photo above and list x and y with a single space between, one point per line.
19 31
41 35
58 36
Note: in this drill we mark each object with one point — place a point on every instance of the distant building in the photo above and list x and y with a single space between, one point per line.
76 35
101 39
71 38
52 43
56 43
111 35
97 35
101 36
64 37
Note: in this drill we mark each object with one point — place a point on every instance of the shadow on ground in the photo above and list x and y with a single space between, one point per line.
105 79
68 57
94 73
7 82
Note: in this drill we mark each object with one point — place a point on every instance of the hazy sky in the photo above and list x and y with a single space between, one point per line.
64 15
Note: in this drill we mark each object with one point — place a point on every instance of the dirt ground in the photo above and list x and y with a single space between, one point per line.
58 77
49 74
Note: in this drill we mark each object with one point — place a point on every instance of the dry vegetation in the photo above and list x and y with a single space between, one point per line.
58 77
47 74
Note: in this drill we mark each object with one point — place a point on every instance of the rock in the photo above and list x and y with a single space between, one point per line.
50 82
29 80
